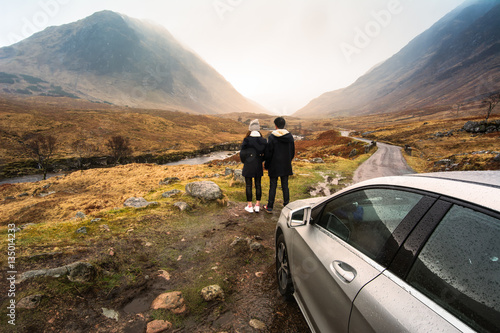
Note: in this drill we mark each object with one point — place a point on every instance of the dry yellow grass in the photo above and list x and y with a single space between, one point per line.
149 131
91 191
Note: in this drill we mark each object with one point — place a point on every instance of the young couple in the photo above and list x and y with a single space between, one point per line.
276 153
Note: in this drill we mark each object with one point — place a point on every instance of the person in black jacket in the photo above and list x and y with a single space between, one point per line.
252 156
278 161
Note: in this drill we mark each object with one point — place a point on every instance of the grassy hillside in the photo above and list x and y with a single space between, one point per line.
149 131
433 134
134 249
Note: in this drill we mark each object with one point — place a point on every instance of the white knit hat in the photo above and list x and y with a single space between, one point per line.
254 125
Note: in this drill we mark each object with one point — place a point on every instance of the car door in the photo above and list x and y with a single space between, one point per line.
348 244
447 278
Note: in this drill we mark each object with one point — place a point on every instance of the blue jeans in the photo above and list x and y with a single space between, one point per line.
273 184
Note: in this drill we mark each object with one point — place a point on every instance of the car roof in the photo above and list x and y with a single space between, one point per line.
478 187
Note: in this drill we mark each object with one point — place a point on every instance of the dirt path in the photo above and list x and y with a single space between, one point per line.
387 161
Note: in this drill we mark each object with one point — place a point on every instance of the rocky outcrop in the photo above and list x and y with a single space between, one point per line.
482 126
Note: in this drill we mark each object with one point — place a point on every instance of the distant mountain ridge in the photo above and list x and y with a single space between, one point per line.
109 57
456 60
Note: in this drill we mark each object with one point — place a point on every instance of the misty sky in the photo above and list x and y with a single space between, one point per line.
280 53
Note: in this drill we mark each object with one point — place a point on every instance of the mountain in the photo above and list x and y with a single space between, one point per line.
109 57
456 60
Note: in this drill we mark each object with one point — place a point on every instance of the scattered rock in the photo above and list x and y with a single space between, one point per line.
370 146
353 153
257 324
170 193
24 194
256 246
95 220
76 272
446 162
164 274
80 215
105 227
317 160
29 302
81 272
169 180
111 314
158 326
482 126
248 243
213 292
228 172
139 202
172 301
205 190
45 194
237 241
238 176
496 158
182 206
82 230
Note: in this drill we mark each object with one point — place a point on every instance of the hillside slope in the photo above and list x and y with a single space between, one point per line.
109 57
456 60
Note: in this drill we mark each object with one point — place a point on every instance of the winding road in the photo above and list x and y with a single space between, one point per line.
386 161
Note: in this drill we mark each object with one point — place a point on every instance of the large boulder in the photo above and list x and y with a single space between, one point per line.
205 190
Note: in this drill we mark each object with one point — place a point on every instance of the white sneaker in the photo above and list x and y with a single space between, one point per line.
256 209
249 209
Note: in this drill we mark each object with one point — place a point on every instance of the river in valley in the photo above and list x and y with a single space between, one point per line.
218 155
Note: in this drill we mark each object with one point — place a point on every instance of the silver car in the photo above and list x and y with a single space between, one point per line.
415 253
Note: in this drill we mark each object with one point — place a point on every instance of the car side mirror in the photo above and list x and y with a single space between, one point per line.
299 217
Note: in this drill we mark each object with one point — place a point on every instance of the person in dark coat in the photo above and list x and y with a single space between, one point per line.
252 156
278 161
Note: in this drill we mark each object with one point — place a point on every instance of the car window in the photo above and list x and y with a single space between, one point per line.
459 267
367 218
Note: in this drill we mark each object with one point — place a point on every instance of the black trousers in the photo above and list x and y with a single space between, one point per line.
258 188
273 184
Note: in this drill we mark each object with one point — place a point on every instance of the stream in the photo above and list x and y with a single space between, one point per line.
217 155
190 161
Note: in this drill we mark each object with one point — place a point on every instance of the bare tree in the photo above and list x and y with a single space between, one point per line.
84 150
491 102
119 147
459 105
41 149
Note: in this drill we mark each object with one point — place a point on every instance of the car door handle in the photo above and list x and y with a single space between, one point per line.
345 271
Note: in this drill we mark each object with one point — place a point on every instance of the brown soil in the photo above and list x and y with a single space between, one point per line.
193 247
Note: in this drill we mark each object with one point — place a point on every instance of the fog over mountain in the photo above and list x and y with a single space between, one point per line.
456 60
109 57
